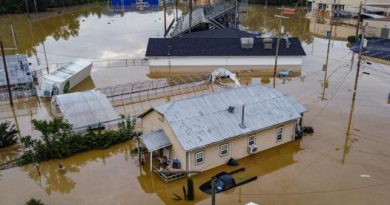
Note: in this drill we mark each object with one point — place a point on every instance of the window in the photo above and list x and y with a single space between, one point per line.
161 117
279 134
223 150
199 157
251 140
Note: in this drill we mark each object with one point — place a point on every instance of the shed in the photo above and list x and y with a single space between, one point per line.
85 110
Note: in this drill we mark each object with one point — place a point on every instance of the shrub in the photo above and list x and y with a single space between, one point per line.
33 201
351 39
8 134
58 140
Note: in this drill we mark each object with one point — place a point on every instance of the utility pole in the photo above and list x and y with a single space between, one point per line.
213 191
27 9
190 16
165 17
6 75
177 15
43 43
354 93
325 67
357 31
277 45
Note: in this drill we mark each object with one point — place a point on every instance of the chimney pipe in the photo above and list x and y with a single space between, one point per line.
242 124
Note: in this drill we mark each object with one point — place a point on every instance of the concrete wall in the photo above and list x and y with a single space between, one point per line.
238 147
183 65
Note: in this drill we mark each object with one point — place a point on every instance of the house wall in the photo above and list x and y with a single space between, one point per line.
349 5
238 147
151 123
181 65
374 28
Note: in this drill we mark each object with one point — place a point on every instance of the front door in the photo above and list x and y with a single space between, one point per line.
385 33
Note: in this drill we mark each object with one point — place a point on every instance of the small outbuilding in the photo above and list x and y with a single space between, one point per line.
20 77
85 110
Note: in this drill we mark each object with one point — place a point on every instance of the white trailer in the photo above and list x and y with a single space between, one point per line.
65 78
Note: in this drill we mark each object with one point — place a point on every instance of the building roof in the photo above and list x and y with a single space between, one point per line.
203 120
220 42
376 48
68 70
220 33
83 109
18 70
155 141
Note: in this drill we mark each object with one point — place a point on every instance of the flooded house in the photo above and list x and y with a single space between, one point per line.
203 132
229 48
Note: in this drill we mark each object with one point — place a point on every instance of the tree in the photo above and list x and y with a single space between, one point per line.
8 134
190 189
33 201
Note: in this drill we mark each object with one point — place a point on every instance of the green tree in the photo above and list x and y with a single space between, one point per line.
33 201
8 134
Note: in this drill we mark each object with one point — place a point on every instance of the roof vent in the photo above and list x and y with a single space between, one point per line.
231 109
247 43
287 42
267 43
242 124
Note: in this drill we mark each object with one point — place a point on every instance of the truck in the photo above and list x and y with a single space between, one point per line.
65 78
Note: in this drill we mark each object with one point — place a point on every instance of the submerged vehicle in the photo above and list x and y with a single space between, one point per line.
65 78
224 181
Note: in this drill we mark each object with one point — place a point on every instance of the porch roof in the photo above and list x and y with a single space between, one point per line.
155 141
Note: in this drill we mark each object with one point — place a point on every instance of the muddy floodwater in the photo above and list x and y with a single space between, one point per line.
327 167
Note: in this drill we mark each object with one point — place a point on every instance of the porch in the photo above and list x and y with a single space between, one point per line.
159 148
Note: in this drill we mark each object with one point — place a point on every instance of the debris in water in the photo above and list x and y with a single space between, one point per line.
308 130
232 162
365 176
367 73
176 197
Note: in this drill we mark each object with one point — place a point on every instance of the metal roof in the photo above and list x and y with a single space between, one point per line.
68 70
155 141
204 120
18 70
83 109
376 48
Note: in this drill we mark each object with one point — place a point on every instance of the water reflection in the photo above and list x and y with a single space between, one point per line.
52 180
263 20
260 164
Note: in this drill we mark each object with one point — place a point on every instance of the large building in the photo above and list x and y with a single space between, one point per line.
373 6
206 131
228 48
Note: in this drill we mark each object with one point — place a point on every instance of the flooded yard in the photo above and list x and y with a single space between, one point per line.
327 167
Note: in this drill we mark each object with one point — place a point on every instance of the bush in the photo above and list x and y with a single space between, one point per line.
8 134
33 201
58 140
351 39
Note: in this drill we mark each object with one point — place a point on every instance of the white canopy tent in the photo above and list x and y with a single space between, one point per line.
84 110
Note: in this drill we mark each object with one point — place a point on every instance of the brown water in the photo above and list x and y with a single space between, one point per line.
327 167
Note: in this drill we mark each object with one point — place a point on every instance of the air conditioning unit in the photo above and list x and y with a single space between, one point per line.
252 149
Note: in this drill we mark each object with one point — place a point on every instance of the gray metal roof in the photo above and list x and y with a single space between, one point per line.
203 120
83 109
155 141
